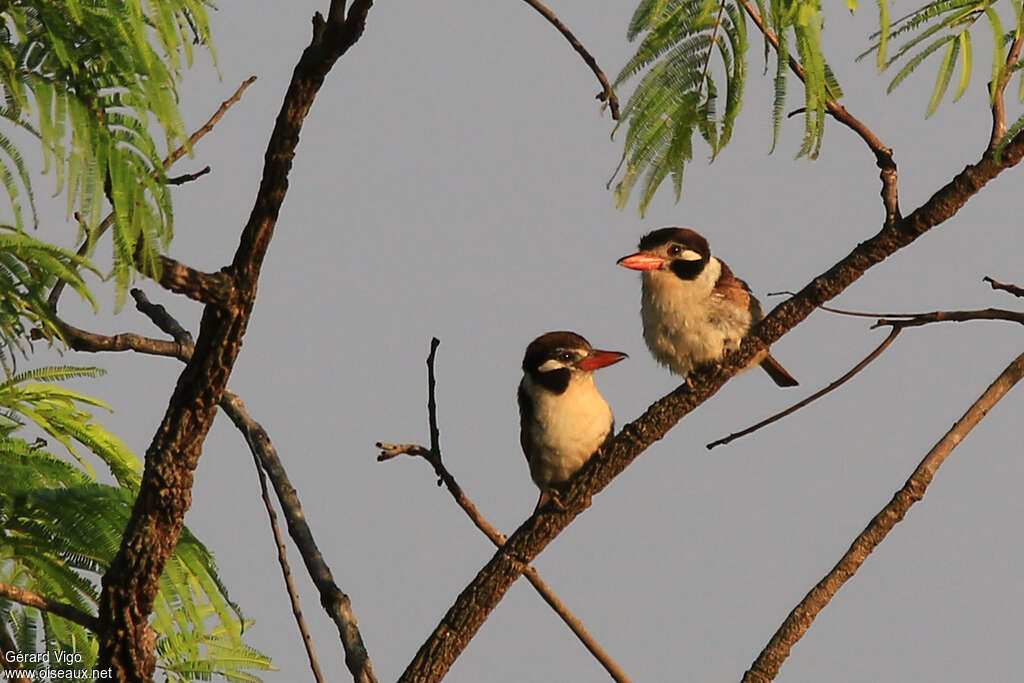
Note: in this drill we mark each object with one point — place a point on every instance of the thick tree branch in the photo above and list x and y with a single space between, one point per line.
60 609
766 667
208 288
433 456
126 640
606 94
476 601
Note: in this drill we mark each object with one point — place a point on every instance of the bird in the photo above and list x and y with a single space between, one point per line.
693 308
563 419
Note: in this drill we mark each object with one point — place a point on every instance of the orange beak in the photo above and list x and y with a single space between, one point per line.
600 359
642 260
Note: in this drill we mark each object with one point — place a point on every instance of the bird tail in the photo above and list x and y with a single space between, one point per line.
777 372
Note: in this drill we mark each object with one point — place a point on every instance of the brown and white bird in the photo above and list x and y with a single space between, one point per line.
563 418
693 308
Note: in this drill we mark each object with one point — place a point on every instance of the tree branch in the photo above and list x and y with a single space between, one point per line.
813 397
1012 289
282 559
998 91
606 94
187 177
883 154
174 156
334 601
766 667
208 288
919 319
126 640
476 601
60 609
433 456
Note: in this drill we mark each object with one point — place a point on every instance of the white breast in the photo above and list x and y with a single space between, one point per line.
566 428
685 322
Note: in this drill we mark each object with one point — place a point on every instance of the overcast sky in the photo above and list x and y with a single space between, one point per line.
450 181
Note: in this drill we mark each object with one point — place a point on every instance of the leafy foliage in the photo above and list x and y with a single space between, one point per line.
88 78
948 24
28 268
678 94
59 530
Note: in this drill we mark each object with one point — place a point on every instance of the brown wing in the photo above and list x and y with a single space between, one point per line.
736 291
525 417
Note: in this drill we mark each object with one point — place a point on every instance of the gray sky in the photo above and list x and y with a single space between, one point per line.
450 182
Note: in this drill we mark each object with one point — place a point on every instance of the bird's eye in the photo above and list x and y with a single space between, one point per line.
675 250
565 356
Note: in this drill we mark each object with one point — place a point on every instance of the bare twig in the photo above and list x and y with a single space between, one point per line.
919 319
286 570
187 177
883 154
606 94
897 321
766 667
334 601
998 91
60 609
813 397
433 456
1012 289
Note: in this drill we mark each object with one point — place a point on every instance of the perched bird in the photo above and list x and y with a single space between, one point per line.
563 418
693 308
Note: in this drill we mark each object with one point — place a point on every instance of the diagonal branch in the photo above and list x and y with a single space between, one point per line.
766 667
334 601
126 640
896 321
879 350
282 552
476 601
606 94
1011 289
433 456
208 288
60 609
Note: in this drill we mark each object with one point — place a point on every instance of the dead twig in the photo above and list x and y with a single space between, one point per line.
433 456
813 397
1012 289
766 667
606 94
286 570
187 177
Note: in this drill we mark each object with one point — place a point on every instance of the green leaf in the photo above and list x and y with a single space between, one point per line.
945 74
